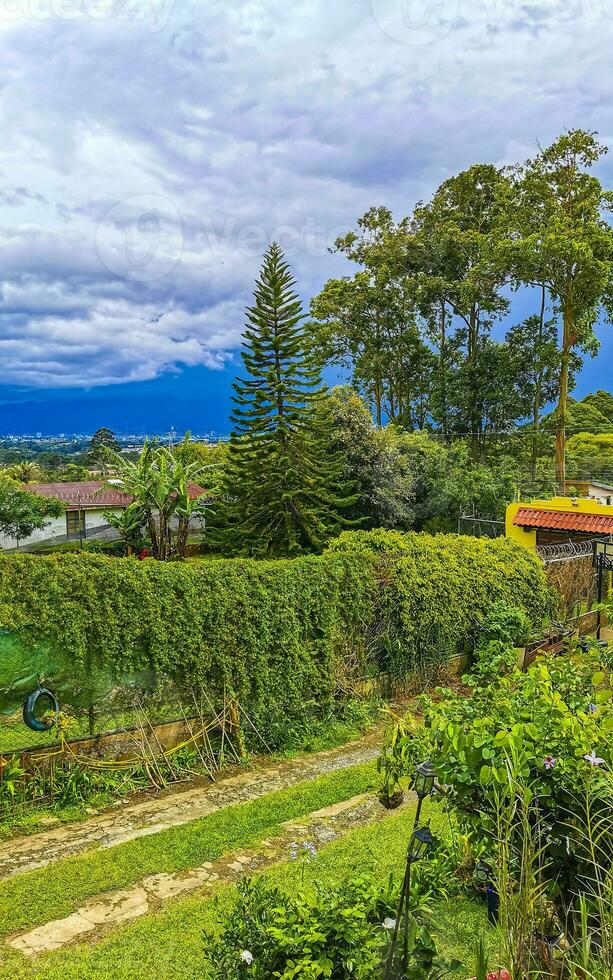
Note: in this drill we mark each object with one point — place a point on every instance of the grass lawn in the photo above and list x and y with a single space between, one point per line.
168 945
50 893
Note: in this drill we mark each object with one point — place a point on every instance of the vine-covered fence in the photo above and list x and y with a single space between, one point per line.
119 639
129 645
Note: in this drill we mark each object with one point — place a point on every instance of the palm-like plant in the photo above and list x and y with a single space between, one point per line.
25 472
159 483
187 508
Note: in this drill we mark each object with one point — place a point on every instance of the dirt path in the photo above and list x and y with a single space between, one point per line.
101 914
152 816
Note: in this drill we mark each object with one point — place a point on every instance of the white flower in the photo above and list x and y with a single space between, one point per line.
593 759
389 923
246 957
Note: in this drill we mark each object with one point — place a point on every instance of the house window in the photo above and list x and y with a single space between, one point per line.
75 524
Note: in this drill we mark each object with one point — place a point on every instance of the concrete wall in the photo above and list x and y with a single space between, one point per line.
576 505
133 743
56 528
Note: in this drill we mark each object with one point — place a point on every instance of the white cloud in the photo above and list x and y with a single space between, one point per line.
148 157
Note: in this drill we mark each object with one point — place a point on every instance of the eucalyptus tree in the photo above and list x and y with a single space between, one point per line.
534 342
443 261
559 238
281 491
451 247
367 323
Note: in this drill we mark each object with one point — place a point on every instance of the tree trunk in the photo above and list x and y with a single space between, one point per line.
378 400
378 379
471 352
182 536
567 344
153 534
443 369
536 407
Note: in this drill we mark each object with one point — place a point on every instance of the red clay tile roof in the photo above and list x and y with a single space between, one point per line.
92 493
562 520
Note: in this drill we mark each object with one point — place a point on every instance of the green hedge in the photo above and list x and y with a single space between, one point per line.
267 631
436 590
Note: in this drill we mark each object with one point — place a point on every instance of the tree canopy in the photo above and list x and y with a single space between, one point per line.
23 512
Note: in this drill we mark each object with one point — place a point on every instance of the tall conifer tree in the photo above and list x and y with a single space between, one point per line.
281 494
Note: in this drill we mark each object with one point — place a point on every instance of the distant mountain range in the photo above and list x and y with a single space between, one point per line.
198 400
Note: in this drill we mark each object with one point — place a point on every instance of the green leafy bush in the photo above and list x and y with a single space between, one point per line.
437 591
548 730
341 930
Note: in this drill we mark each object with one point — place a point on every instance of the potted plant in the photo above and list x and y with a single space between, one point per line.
393 762
391 793
481 964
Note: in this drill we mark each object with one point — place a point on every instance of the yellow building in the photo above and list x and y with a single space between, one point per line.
558 521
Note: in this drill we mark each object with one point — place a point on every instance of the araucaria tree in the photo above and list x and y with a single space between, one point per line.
281 493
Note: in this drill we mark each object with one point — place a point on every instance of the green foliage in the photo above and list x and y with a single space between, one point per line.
336 930
407 480
414 324
272 633
282 492
266 631
602 401
375 461
311 730
581 417
102 441
336 933
166 498
27 471
130 523
590 456
549 730
367 324
560 237
436 591
22 512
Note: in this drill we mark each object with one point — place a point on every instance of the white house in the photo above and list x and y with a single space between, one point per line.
86 504
601 492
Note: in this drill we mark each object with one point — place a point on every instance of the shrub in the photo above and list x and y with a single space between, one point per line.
340 930
547 730
437 591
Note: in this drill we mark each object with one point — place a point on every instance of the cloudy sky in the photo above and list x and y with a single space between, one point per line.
151 149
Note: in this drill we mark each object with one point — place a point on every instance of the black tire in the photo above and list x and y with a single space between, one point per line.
29 710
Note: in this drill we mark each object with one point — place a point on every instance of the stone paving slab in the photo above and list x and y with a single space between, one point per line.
152 816
100 915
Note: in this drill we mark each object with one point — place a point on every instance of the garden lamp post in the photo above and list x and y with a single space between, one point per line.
419 845
484 880
483 874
